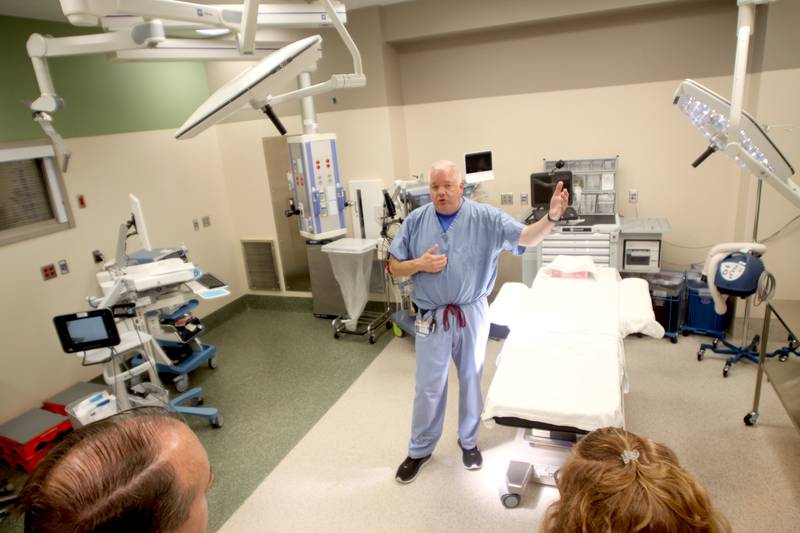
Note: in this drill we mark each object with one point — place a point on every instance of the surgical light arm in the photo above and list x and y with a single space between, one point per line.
150 33
40 48
336 81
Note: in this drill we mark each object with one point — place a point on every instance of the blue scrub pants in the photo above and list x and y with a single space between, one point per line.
467 347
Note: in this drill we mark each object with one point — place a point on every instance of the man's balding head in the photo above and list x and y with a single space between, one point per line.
141 470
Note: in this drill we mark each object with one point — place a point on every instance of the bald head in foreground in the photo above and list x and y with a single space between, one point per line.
142 470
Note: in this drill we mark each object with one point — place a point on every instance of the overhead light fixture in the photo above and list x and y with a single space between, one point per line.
747 144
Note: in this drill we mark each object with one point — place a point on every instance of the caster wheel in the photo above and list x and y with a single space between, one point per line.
700 353
510 500
725 370
389 324
336 335
372 339
684 333
783 357
198 401
217 422
213 363
673 340
793 344
181 383
750 419
715 343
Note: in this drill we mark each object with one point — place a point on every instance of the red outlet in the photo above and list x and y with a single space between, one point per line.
49 272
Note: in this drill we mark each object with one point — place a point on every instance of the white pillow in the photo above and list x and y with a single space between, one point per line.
636 309
570 266
508 303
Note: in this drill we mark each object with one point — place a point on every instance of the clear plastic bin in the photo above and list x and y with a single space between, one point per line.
665 284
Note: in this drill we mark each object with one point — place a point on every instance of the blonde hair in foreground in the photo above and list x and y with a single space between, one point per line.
602 491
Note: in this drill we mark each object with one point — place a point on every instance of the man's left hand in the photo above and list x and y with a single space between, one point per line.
559 201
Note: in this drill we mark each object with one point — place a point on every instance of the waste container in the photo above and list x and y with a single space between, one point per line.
351 260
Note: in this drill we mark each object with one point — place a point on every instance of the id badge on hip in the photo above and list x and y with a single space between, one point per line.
425 327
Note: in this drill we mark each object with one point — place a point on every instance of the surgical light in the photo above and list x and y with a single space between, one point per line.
255 83
747 144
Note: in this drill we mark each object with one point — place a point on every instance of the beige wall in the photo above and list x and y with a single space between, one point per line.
176 182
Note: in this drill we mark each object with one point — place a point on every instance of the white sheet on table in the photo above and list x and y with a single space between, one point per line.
575 383
563 361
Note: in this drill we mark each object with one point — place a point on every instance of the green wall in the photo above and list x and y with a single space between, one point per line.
102 96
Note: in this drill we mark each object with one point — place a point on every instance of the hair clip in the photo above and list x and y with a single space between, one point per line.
629 455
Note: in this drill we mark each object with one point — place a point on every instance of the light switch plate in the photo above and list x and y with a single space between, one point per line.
206 221
523 198
506 198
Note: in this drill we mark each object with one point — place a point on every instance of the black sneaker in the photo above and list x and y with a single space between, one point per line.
472 459
408 470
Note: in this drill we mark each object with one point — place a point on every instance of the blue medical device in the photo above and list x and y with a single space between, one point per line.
738 274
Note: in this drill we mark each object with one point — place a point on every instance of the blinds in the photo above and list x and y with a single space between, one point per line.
24 197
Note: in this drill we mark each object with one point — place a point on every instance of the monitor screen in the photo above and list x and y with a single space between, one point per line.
543 184
87 330
478 162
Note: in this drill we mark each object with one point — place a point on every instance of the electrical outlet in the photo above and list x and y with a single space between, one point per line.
196 224
633 196
206 221
49 272
63 267
523 198
506 198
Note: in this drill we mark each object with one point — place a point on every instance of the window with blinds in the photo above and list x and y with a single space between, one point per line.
31 193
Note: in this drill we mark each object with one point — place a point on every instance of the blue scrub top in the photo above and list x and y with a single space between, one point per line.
472 242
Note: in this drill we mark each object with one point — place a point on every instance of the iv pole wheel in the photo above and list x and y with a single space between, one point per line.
700 353
715 343
213 363
217 422
725 370
750 419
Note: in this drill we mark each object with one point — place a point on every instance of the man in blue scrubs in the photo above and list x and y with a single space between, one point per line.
450 247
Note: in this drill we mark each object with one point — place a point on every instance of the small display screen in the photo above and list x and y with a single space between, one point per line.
543 184
478 162
89 329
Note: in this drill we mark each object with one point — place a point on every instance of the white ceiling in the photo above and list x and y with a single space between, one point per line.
51 9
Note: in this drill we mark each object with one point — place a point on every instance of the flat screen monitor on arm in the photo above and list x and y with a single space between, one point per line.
138 221
543 184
